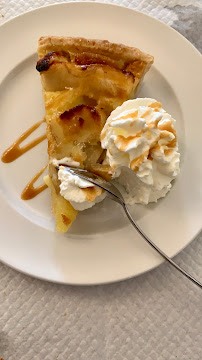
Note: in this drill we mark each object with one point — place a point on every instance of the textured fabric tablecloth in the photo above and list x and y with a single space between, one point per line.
156 316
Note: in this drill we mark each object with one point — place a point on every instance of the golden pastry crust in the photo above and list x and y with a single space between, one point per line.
85 64
120 53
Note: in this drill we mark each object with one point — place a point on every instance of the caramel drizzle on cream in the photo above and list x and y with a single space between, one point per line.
148 112
165 128
15 150
92 192
155 105
124 142
30 191
135 163
127 116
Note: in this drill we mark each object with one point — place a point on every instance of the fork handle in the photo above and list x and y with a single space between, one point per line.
166 257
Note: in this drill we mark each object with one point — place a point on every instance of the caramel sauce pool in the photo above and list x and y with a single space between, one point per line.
30 191
15 151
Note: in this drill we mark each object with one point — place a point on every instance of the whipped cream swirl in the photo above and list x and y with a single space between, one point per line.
142 149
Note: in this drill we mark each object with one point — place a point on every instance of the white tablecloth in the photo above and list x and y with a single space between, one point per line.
156 316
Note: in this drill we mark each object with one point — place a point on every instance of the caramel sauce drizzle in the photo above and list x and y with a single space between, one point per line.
135 163
30 191
124 142
127 116
146 113
155 105
165 128
15 151
91 193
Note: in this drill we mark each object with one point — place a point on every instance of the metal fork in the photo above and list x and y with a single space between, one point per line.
115 195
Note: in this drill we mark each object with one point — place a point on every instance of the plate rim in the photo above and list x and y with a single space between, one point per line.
142 14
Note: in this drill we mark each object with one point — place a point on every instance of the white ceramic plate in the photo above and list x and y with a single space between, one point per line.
101 246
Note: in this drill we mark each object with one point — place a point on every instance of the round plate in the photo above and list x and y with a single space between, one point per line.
101 246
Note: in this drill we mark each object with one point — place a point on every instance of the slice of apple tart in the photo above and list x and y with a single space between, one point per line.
83 81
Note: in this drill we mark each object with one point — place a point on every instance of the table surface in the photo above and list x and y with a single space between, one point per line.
156 316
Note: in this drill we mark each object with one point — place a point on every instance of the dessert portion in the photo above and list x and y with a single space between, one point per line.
83 82
142 149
